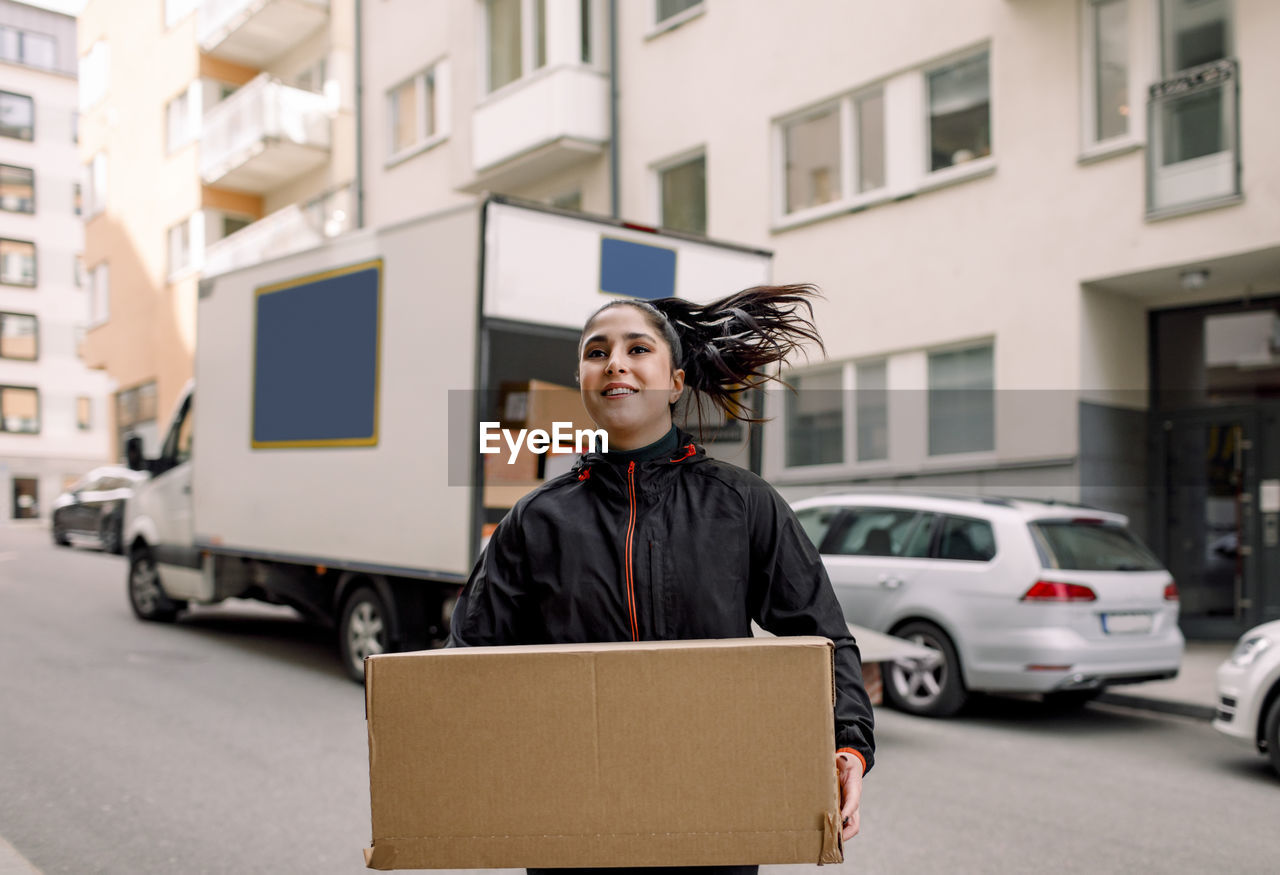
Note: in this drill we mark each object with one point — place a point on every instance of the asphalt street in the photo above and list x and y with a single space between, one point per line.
231 742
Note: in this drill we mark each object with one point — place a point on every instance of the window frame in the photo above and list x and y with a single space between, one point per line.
439 75
85 424
659 26
659 168
818 469
1092 148
102 268
31 170
35 265
96 202
964 168
35 320
935 546
881 362
39 411
4 92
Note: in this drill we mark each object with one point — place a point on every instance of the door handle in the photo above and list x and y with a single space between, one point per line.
889 581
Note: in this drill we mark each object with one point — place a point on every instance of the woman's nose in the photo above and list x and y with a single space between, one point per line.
615 365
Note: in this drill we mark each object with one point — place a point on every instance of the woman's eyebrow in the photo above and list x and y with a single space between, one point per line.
631 335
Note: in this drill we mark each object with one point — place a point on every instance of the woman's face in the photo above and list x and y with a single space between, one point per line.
626 378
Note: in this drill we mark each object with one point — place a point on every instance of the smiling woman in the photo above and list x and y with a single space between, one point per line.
653 539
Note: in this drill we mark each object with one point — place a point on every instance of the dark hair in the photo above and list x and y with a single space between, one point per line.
728 346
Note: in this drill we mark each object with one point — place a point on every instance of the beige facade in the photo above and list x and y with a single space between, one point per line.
53 409
224 133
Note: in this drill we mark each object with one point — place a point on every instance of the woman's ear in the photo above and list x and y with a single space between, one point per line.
677 386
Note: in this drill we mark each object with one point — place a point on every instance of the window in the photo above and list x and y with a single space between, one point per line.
19 337
815 419
25 47
136 414
669 9
584 32
84 413
176 10
816 522
178 121
19 410
1107 69
518 40
1091 546
17 189
812 148
95 69
959 112
417 110
875 531
313 76
96 174
821 165
1194 33
966 540
569 200
961 401
100 294
78 271
872 411
77 199
17 116
17 263
180 246
684 196
232 224
26 504
75 126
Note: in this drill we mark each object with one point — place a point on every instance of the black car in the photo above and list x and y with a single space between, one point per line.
94 507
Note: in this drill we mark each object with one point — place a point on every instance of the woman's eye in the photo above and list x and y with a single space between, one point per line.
594 353
636 349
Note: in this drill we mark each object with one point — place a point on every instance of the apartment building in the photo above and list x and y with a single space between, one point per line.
1046 229
214 134
53 409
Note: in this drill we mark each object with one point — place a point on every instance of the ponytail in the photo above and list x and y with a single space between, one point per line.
729 346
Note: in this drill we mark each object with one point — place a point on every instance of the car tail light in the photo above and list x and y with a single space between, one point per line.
1053 591
1171 591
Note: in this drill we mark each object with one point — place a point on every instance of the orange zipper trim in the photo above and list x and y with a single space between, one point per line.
631 530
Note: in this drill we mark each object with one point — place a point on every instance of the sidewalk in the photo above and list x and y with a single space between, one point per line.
13 863
1190 694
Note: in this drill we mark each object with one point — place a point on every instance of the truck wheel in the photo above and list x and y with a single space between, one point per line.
146 596
362 630
1271 731
935 691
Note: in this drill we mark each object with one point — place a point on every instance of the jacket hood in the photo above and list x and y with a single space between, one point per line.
687 452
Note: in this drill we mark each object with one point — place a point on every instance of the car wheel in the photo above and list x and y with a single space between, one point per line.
59 536
110 535
929 691
1271 733
146 595
362 630
1071 700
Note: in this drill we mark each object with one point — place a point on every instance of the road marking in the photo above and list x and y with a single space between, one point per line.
13 863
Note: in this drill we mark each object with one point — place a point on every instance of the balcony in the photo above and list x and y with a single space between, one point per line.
1193 161
540 125
292 229
256 32
263 136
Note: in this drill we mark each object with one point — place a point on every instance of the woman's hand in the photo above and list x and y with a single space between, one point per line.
849 768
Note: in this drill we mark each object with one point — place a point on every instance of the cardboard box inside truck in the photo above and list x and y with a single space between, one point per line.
673 753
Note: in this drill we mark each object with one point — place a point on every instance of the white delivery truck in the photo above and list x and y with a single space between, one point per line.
332 461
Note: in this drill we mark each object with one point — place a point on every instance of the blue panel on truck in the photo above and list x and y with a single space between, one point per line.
315 377
636 270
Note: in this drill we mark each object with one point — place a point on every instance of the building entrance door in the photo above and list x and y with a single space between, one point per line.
1210 483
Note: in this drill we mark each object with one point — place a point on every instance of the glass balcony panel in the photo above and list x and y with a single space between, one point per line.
1193 160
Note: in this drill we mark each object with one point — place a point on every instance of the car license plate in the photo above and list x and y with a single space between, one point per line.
1126 624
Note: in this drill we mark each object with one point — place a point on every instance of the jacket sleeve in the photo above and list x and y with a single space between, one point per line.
491 605
792 595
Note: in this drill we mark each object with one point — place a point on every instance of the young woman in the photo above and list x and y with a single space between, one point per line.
654 540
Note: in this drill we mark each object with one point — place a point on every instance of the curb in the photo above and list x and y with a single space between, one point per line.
1162 706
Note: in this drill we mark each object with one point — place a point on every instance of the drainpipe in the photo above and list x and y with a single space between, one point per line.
359 63
615 208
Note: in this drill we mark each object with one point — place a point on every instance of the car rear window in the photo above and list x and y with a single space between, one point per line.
1073 545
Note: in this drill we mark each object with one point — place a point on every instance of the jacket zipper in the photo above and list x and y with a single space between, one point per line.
630 566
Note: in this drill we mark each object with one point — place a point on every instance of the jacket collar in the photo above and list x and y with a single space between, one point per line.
688 452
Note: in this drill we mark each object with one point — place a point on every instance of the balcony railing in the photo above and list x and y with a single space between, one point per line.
292 229
1193 161
264 135
539 125
255 32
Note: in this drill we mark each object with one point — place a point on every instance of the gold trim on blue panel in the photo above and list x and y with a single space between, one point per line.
372 440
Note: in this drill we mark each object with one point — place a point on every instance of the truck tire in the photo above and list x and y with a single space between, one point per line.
146 595
362 630
927 692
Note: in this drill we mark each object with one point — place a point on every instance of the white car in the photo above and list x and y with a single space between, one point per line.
1249 691
1016 596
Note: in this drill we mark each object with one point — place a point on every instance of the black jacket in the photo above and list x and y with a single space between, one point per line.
692 547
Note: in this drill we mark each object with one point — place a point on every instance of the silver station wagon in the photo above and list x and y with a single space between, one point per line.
1015 596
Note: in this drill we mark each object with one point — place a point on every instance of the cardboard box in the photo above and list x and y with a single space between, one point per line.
674 753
